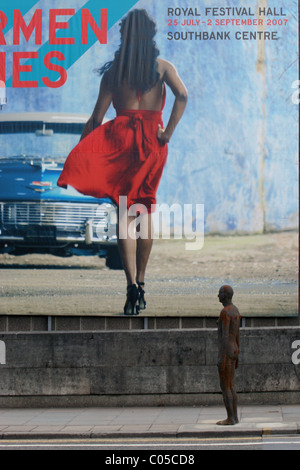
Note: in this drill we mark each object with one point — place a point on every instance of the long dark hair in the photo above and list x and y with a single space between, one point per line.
135 61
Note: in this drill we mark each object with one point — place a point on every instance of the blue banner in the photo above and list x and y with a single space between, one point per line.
63 56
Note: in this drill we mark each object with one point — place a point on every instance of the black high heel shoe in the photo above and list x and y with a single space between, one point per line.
141 293
131 307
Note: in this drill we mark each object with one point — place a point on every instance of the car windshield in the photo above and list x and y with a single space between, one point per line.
46 140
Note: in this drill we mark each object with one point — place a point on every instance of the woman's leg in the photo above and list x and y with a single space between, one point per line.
127 246
135 243
144 245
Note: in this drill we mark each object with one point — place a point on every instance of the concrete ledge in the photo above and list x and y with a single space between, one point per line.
143 367
88 401
35 323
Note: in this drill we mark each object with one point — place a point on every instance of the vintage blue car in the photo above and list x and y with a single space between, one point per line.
36 216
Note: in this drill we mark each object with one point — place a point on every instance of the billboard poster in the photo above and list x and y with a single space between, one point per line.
226 188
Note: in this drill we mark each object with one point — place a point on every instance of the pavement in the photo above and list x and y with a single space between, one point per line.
146 422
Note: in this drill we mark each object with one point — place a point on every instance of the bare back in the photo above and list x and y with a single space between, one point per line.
152 100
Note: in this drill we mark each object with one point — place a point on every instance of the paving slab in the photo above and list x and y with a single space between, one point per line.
153 422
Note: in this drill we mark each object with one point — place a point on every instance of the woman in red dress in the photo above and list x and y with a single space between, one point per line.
126 156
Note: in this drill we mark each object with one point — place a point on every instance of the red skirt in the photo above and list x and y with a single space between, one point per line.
122 157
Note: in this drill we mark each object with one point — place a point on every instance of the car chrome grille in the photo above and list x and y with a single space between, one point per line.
64 216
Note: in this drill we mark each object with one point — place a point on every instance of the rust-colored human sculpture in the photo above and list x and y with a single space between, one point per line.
228 344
